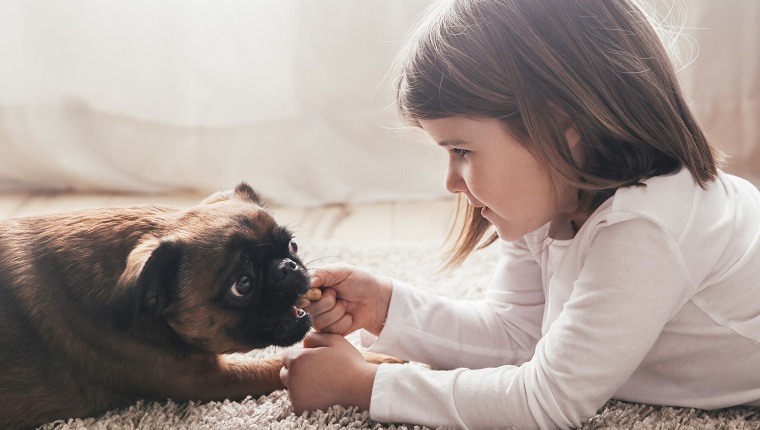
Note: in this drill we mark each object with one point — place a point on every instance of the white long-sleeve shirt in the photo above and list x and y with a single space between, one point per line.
655 300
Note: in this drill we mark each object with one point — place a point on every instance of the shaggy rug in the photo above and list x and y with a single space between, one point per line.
418 263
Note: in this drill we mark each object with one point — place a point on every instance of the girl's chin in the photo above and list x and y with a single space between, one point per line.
505 231
507 236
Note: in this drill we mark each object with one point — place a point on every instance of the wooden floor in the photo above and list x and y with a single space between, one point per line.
401 221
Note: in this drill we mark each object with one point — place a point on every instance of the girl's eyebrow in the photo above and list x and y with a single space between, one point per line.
456 142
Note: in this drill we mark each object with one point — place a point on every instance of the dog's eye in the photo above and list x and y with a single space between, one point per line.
242 287
293 247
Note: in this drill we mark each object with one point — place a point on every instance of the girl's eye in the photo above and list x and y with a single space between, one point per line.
242 287
459 151
293 247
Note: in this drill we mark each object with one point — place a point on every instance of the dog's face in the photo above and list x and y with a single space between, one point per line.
225 278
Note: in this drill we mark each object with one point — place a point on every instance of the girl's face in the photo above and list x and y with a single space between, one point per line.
496 173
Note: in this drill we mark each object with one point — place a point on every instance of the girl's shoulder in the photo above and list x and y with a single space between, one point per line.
676 202
692 216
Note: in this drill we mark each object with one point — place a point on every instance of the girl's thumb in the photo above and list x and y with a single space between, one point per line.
317 340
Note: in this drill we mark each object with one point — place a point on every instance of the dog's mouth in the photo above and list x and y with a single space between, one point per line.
278 322
284 330
298 312
295 316
304 300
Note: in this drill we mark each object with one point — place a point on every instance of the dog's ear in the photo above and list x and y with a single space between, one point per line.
243 191
146 283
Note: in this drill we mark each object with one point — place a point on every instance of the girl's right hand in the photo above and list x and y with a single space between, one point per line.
352 298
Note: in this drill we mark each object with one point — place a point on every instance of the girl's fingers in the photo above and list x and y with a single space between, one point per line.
286 357
317 340
341 327
324 304
284 376
331 316
316 281
328 276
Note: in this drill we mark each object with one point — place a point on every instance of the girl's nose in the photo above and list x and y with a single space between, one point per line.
454 182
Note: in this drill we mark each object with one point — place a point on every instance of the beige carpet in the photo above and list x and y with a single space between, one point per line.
417 263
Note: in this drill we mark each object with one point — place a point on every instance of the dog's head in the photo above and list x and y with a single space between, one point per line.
225 277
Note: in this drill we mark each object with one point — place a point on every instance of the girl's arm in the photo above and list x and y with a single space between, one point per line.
632 281
446 333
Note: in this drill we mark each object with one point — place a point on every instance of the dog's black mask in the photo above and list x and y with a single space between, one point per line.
265 291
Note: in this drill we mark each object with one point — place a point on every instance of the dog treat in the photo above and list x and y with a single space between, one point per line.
309 296
313 294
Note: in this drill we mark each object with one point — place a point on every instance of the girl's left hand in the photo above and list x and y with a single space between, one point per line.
327 371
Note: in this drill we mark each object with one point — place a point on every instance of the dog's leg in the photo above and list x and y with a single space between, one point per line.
241 376
238 376
256 377
377 358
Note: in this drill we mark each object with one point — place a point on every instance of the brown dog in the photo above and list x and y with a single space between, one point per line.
102 307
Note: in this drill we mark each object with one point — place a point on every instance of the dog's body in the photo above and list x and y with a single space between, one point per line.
100 308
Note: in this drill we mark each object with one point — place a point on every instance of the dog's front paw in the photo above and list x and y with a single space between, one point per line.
374 357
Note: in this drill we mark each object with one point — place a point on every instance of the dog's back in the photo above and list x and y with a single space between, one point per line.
47 264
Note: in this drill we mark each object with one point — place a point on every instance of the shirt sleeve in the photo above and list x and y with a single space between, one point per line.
444 333
633 280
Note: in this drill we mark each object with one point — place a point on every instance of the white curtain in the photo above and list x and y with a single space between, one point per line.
724 79
718 54
292 96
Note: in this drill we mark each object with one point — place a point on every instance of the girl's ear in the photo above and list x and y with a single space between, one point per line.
572 135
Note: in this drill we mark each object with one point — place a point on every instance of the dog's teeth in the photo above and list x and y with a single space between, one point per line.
298 312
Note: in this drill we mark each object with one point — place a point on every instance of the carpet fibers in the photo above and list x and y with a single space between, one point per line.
417 263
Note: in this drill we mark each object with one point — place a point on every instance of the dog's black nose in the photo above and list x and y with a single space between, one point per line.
285 269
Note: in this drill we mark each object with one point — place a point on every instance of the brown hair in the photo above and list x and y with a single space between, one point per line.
598 63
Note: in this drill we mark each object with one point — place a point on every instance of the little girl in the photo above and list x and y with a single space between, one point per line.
630 264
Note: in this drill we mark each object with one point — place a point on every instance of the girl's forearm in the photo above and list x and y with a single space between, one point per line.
362 387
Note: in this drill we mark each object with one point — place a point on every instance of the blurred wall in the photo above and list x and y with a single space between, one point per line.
291 96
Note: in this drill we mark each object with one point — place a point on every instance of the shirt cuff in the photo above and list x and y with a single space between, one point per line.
386 343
